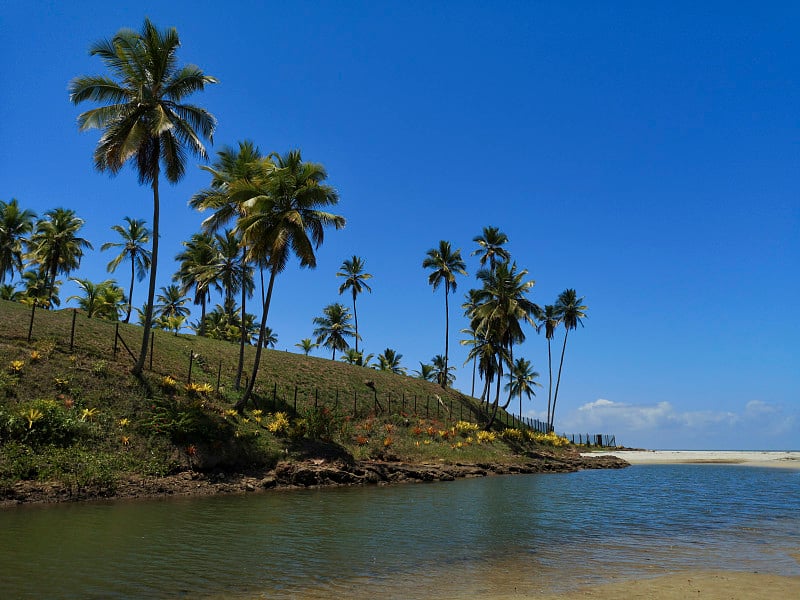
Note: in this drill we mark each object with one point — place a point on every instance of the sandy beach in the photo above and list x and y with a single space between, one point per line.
786 460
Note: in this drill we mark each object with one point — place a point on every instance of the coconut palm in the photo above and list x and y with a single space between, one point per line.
194 273
15 225
56 246
171 302
270 338
229 271
284 218
570 310
443 375
242 164
306 345
111 301
445 265
39 290
334 327
352 357
490 247
10 293
356 281
134 237
390 361
549 320
91 301
426 372
469 306
522 380
143 118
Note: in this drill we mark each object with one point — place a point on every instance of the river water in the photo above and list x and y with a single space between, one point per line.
525 534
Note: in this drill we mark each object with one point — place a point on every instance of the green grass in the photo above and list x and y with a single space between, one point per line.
77 416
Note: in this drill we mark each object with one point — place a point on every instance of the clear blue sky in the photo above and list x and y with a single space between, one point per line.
645 155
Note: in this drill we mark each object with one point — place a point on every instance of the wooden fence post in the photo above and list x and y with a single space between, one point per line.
191 360
116 338
72 329
219 371
30 327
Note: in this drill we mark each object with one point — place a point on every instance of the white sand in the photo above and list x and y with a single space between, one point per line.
787 460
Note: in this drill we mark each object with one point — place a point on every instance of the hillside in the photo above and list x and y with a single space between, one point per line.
71 413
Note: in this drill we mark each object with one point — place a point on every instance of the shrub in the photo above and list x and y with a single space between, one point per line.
41 422
278 424
512 434
465 427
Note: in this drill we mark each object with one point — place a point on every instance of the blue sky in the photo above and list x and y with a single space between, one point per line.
645 155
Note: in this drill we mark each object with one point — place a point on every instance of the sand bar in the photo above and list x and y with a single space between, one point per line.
786 460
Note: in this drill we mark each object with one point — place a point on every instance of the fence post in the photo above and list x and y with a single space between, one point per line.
116 338
72 329
30 327
191 360
389 403
219 371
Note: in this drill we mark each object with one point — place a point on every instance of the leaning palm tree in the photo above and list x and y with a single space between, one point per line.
134 237
570 310
390 361
522 380
306 345
90 301
333 328
15 225
143 118
356 281
445 265
283 217
244 164
549 320
194 272
490 247
55 244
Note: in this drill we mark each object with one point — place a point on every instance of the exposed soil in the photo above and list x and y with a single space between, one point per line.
313 472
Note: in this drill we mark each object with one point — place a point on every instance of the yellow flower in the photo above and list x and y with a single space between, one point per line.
126 440
35 356
32 415
15 366
123 422
89 413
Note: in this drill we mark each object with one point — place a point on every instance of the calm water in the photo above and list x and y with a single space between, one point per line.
529 533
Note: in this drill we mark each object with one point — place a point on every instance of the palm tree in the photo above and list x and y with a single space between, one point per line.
550 321
91 301
56 246
194 271
355 280
15 224
283 218
353 357
39 290
490 247
229 270
425 372
570 310
134 237
245 164
442 373
172 302
333 327
143 119
390 361
306 345
10 293
270 338
445 264
522 380
111 301
469 306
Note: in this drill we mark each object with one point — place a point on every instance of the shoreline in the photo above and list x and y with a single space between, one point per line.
289 475
772 459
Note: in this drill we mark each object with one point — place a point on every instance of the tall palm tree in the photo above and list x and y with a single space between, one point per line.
442 373
306 345
522 380
15 225
244 164
284 218
356 281
143 118
549 320
570 309
172 302
445 265
194 271
469 306
490 247
91 300
229 270
55 244
390 361
134 237
334 327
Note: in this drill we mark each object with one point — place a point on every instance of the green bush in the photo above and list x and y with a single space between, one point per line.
185 423
41 422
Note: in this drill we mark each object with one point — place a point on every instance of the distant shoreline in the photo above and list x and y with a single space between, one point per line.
785 460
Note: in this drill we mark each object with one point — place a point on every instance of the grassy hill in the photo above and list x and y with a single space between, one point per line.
71 412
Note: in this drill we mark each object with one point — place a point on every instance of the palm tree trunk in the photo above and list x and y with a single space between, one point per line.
261 332
558 381
203 300
511 371
497 395
130 292
243 335
549 379
474 364
446 332
151 292
355 316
